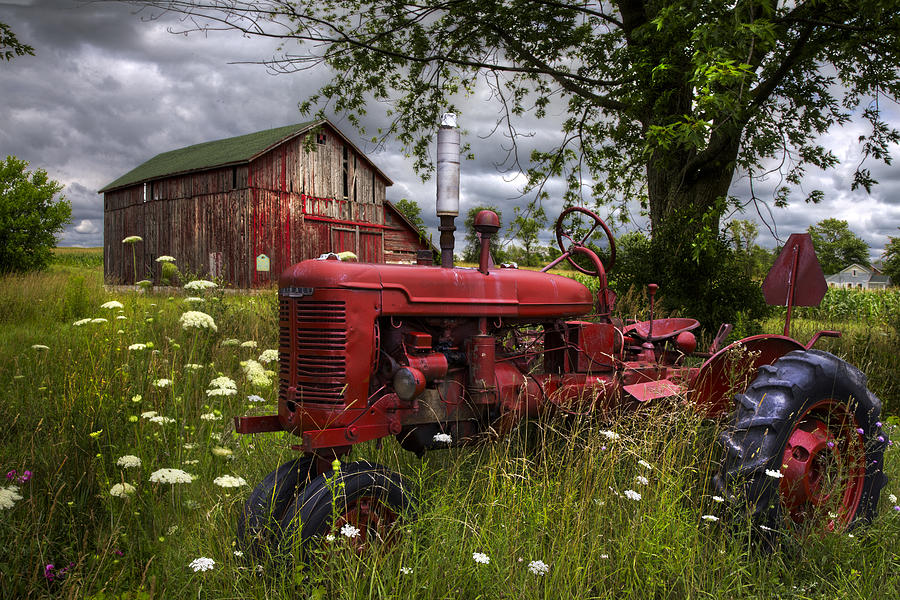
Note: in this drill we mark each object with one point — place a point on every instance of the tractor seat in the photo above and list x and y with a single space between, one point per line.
663 329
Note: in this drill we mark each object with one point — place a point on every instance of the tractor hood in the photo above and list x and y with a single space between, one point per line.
436 291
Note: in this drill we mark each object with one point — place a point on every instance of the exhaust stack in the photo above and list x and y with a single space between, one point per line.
447 185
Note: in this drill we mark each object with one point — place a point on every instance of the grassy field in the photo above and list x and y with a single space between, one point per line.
77 398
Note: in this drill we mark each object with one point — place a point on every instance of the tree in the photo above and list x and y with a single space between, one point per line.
525 229
10 46
665 99
29 216
413 212
472 249
836 246
891 260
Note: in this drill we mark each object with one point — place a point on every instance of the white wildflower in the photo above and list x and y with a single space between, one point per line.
121 318
193 461
120 490
210 417
774 473
149 414
229 481
231 342
9 496
645 464
202 564
81 322
238 553
137 347
112 304
131 239
256 373
611 435
481 558
170 476
604 556
764 528
632 495
161 383
642 480
255 398
405 571
193 366
220 451
222 386
99 320
197 320
189 446
349 530
165 258
39 347
892 498
161 420
268 356
194 299
442 438
538 567
712 518
199 284
248 344
718 499
129 461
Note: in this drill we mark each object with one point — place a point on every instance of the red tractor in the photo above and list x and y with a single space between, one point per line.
438 356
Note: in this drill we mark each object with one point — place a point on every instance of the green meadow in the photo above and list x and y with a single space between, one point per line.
544 510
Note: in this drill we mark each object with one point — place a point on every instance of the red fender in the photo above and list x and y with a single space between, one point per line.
730 370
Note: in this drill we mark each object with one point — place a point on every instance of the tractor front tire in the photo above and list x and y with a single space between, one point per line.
804 447
258 526
362 502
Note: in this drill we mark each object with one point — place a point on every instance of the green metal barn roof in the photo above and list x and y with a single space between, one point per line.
207 155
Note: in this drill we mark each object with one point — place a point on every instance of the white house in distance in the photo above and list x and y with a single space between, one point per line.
858 276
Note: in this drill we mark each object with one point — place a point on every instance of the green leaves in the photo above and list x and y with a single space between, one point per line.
29 217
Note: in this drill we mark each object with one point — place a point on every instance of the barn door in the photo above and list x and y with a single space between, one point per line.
343 240
370 247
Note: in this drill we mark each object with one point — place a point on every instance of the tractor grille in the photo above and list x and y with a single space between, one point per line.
317 357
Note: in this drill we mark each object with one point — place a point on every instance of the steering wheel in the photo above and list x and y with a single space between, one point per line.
598 222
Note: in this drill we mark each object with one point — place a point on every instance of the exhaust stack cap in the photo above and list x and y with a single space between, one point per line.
448 120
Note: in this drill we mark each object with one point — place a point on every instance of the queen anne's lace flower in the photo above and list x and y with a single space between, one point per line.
165 258
197 320
39 347
81 322
210 417
149 414
199 284
645 464
112 304
248 344
137 347
120 490
481 558
611 435
99 320
442 438
632 495
220 451
231 342
711 518
229 481
222 386
129 461
194 299
349 530
161 420
268 356
161 383
774 473
131 239
539 567
9 496
170 476
255 398
202 564
641 480
256 373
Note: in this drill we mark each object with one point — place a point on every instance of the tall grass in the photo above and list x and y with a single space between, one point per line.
553 490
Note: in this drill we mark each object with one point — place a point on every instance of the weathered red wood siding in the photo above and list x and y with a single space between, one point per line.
291 203
401 240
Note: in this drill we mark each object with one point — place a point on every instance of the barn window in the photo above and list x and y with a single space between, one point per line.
321 139
146 192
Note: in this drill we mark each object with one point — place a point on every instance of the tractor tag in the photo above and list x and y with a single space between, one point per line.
654 389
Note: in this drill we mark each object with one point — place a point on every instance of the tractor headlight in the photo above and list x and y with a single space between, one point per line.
409 383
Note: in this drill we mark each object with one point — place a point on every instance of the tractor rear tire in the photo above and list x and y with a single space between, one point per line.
258 526
804 447
365 496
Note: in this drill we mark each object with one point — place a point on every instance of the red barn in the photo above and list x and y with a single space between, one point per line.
245 208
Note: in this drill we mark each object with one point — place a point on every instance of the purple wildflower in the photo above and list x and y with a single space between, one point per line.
880 438
897 508
830 444
25 477
877 423
48 572
860 431
10 474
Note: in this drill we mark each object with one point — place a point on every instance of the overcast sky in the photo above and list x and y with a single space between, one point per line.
109 88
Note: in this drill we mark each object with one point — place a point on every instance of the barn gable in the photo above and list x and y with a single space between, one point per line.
232 207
